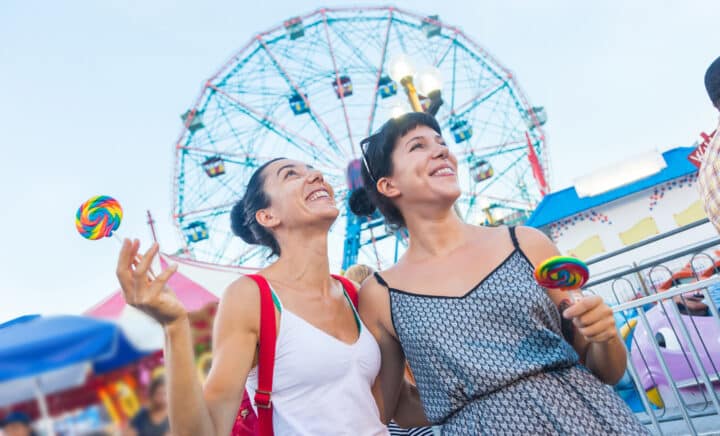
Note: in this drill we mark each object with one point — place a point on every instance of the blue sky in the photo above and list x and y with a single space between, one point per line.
91 92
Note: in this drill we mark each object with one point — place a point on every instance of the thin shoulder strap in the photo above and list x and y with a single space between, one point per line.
266 356
513 237
381 280
349 289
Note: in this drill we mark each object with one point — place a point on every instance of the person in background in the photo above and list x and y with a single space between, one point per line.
358 273
17 424
709 174
153 419
691 303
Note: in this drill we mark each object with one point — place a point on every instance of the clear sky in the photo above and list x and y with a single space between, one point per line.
90 93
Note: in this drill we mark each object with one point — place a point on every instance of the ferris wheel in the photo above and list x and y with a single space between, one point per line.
312 88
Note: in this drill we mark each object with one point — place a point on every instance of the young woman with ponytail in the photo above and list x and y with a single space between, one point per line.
325 358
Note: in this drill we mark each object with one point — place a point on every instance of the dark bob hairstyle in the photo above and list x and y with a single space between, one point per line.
377 163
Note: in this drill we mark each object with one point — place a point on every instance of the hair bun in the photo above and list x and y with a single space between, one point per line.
360 202
238 224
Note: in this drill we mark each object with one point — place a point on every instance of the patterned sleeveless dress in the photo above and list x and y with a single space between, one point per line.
494 361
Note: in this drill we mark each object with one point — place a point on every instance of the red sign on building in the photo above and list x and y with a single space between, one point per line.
697 155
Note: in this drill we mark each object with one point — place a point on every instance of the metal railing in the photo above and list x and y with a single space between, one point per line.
673 368
692 345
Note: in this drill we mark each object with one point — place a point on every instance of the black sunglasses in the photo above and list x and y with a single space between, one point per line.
363 150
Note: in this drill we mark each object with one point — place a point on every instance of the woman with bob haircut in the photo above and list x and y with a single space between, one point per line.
491 351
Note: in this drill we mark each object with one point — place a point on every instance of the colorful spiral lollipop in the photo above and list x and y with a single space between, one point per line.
562 272
98 217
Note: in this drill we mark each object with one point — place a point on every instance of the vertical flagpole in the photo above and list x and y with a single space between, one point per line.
42 405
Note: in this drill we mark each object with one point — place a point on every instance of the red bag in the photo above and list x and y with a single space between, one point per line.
246 422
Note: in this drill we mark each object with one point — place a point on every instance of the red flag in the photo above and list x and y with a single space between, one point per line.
536 168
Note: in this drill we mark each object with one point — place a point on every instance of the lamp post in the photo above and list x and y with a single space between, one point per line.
485 205
427 82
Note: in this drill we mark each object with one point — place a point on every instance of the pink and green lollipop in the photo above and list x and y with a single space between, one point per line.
562 272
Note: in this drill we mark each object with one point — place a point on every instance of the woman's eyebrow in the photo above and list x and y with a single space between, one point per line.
284 167
412 139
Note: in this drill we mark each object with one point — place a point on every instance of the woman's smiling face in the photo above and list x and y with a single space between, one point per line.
424 170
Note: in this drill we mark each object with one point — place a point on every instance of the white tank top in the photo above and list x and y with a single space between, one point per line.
321 385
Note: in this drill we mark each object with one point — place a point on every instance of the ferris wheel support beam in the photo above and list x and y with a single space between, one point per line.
520 204
474 102
502 173
338 84
218 209
501 150
351 246
206 151
446 50
272 124
373 107
315 117
537 133
472 151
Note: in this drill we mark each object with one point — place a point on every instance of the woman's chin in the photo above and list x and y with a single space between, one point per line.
450 194
324 212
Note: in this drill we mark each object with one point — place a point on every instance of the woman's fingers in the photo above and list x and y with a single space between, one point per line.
144 265
124 269
598 328
162 279
596 314
582 306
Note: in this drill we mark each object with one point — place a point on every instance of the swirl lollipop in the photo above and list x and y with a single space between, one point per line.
98 217
562 272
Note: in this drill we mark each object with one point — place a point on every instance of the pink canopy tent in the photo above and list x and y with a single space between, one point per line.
195 283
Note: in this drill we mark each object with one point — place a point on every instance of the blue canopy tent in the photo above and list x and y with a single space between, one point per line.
40 355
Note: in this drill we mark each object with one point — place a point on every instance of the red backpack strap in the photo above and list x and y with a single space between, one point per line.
349 289
266 356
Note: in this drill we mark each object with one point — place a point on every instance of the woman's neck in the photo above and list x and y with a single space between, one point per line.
303 262
433 235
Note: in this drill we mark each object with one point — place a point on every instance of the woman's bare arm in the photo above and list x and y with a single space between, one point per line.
192 409
588 325
395 397
211 410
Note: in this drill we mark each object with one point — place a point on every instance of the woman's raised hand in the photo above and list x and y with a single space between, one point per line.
151 296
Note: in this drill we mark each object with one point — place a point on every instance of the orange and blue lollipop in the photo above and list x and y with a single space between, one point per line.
562 272
98 217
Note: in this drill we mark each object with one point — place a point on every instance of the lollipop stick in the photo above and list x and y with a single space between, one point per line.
575 294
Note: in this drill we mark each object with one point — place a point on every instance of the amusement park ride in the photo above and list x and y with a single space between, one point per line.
312 88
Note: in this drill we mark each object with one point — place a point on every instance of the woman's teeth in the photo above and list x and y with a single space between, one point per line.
443 172
318 194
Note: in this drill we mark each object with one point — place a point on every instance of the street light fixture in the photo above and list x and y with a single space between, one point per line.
485 205
429 83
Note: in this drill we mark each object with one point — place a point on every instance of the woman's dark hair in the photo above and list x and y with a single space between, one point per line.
377 163
712 82
242 215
